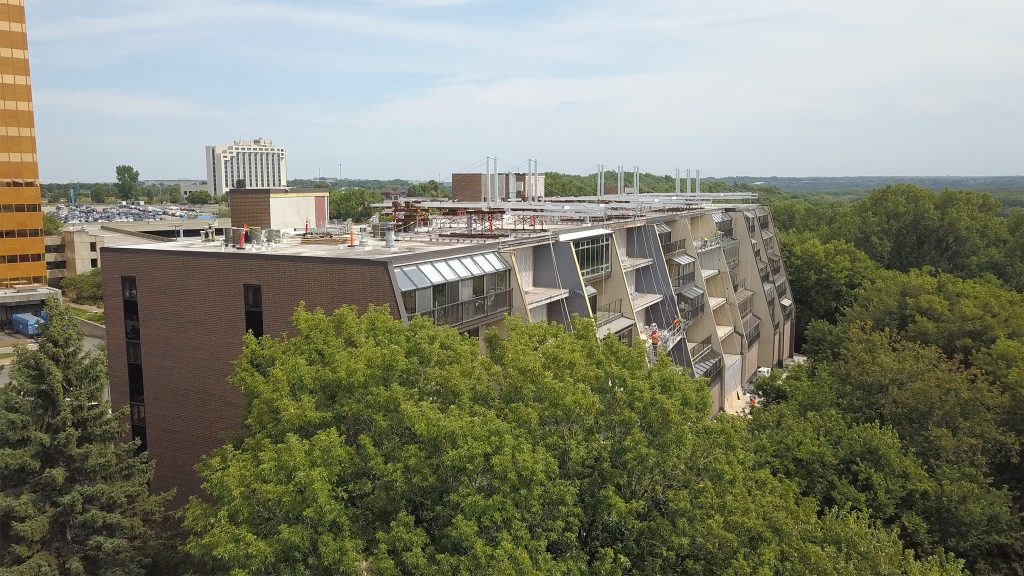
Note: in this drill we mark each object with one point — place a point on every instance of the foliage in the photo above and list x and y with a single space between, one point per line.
374 447
127 182
75 497
825 276
199 197
429 189
354 204
85 288
101 193
52 225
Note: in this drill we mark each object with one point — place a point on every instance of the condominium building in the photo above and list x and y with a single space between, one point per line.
21 221
245 164
699 281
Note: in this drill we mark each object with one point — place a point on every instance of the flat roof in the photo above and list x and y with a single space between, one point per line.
412 247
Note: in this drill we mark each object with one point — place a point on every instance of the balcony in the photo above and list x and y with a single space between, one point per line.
671 248
706 362
634 263
716 302
642 300
469 310
724 331
609 312
537 296
681 282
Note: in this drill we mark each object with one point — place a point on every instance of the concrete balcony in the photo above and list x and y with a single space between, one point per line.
724 331
642 300
634 263
716 302
537 296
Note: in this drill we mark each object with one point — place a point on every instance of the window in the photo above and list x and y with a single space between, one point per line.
254 309
594 256
92 248
57 265
409 300
128 287
95 262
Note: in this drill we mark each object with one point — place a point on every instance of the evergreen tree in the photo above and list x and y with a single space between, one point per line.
74 496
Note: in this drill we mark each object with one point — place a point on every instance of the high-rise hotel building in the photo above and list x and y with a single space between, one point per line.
21 219
247 164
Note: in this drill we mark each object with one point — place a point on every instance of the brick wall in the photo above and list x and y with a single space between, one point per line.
191 317
468 187
249 207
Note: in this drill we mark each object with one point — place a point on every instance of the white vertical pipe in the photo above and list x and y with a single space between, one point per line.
677 181
687 180
698 181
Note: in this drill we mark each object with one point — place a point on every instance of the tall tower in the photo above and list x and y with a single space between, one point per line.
21 217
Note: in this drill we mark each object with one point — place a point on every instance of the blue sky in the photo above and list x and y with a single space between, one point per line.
417 88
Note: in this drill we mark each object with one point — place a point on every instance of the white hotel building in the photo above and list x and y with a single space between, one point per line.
256 162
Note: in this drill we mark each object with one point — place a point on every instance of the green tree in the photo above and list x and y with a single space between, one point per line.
240 183
75 497
52 225
375 447
100 193
199 197
354 203
429 189
825 276
85 288
127 182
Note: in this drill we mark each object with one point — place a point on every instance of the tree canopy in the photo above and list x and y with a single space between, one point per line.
127 182
353 203
74 496
374 447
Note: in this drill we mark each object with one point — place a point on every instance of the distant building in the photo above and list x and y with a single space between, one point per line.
472 187
257 162
71 253
182 182
279 208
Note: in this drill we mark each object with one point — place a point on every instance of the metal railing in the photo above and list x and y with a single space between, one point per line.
670 248
609 312
712 243
683 280
467 310
692 313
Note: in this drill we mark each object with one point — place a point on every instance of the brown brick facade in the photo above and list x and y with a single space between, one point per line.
250 207
187 303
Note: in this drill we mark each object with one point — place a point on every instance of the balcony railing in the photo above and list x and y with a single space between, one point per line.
609 312
692 313
670 248
712 243
683 280
467 310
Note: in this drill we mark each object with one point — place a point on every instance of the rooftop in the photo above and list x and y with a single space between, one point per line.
442 229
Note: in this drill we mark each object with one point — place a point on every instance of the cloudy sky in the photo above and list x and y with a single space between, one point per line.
417 88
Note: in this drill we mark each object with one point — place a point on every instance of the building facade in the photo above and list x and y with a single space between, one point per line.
257 163
703 284
473 186
70 253
21 219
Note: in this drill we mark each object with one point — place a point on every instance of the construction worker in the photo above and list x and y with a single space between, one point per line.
654 338
676 324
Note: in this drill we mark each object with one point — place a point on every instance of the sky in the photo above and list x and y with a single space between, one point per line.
420 88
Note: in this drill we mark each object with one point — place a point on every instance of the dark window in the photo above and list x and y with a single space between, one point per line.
134 352
35 233
136 389
95 262
138 414
7 208
254 309
36 257
19 207
61 265
92 247
128 288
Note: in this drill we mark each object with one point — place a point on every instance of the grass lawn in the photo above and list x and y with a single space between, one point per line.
97 317
6 355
